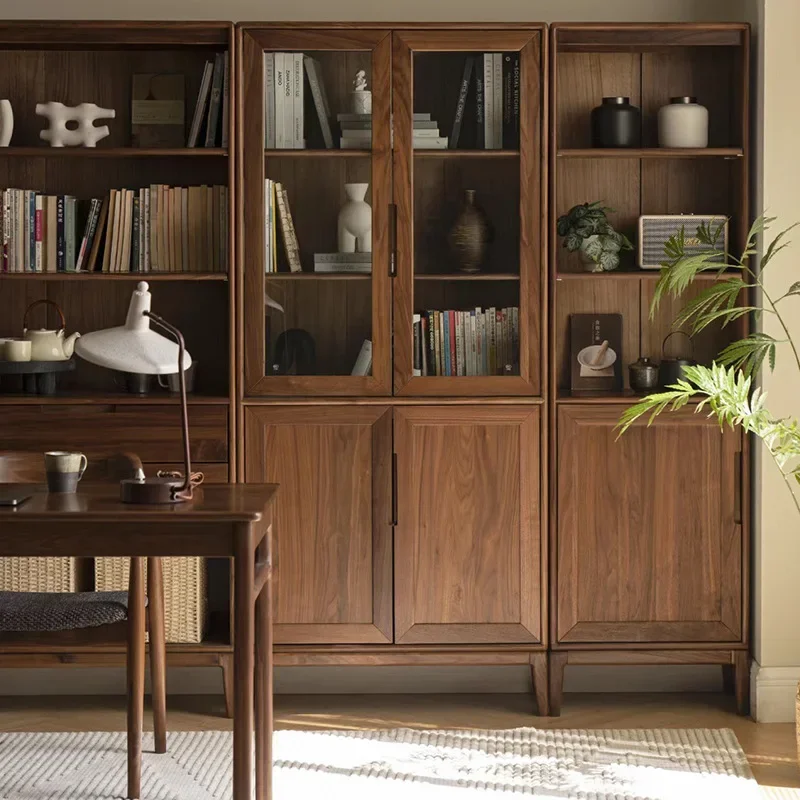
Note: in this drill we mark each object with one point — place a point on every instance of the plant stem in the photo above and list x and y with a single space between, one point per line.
785 330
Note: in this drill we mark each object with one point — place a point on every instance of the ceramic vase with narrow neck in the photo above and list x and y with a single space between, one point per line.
355 220
470 235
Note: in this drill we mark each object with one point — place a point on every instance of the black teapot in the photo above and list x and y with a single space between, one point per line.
670 370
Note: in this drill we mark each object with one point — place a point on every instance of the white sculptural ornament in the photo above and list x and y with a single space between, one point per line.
85 115
362 97
6 123
355 220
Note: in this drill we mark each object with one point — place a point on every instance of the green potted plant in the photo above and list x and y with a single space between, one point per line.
585 228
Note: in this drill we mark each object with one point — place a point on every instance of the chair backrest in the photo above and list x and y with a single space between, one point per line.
24 467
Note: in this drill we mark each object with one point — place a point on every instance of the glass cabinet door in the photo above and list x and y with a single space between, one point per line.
468 139
314 203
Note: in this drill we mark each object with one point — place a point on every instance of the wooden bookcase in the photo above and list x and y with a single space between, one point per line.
415 504
74 62
649 541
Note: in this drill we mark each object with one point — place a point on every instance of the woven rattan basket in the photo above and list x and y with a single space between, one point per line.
38 575
185 597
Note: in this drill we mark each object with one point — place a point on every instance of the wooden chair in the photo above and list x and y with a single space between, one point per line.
41 619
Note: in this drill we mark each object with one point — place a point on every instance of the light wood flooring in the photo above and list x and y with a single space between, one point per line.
770 748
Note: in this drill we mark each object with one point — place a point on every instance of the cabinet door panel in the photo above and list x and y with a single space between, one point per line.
648 545
467 542
333 572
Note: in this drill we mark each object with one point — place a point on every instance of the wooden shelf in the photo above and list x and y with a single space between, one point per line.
318 276
652 152
467 277
331 153
638 275
422 153
114 276
626 398
110 398
113 152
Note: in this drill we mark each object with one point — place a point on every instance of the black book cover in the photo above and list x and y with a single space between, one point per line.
480 108
511 98
61 240
462 102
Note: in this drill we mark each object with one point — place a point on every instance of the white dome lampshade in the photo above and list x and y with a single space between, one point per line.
133 347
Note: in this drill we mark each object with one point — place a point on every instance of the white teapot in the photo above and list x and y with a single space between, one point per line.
48 345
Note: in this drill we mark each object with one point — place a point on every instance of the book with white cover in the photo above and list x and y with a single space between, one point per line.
298 123
288 101
363 365
488 100
320 98
280 100
269 100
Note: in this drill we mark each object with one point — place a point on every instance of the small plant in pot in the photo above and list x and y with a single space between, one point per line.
585 228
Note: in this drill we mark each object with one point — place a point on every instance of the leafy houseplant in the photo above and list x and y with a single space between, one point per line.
585 228
726 388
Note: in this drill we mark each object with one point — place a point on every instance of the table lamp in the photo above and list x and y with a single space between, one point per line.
134 347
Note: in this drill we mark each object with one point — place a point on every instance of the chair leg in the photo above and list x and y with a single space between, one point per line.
158 652
135 676
226 662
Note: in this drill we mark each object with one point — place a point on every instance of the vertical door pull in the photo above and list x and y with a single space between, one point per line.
392 240
394 488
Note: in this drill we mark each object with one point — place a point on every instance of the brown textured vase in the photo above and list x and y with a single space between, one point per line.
470 235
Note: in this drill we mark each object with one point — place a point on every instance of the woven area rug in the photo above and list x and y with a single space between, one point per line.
400 763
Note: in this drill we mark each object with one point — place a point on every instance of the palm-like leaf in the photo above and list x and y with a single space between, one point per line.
748 354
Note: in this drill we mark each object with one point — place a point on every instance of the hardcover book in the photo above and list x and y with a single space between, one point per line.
157 110
595 354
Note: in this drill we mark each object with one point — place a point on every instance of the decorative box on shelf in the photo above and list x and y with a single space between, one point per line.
38 575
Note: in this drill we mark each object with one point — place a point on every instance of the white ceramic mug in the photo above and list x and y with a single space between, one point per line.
17 350
63 470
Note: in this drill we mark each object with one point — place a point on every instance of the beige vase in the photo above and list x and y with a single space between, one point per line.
470 235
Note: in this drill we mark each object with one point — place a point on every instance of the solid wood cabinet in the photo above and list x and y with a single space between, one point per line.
333 561
649 533
467 556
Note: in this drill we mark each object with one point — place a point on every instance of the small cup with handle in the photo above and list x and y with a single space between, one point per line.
64 470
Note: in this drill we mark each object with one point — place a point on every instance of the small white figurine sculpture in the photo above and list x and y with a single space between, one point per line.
362 97
6 123
86 114
355 220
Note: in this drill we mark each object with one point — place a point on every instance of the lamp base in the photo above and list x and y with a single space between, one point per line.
151 491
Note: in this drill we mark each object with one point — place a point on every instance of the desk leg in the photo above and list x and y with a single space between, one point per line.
135 676
263 688
243 664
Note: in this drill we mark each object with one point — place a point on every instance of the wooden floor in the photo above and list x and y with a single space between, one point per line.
770 748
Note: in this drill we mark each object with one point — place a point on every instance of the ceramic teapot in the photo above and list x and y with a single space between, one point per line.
48 345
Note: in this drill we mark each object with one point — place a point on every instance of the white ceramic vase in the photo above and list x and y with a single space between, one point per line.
355 220
361 102
683 123
6 123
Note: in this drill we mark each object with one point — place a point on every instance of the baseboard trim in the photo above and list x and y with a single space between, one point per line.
773 692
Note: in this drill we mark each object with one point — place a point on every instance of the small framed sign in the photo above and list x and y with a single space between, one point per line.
595 354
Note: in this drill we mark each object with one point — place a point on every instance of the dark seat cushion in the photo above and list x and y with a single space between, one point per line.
23 612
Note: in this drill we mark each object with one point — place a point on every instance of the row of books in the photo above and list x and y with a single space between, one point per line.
284 99
475 342
158 228
279 218
210 119
496 77
357 132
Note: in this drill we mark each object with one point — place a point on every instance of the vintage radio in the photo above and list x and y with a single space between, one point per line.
656 229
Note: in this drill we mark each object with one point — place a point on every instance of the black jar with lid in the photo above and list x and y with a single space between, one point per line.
616 123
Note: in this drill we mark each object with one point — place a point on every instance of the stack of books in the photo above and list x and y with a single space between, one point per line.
158 228
357 132
279 217
209 126
496 77
475 342
343 262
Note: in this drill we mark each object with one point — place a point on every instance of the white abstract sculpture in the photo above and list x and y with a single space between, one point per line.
355 220
85 115
362 97
6 122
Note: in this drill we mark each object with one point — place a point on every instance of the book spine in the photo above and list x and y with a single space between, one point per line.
473 343
215 100
314 83
6 229
280 100
61 244
133 265
423 333
497 105
431 343
482 342
200 107
29 210
39 233
288 105
417 325
79 262
459 343
269 100
480 109
21 218
298 122
488 101
184 229
446 342
461 104
226 89
513 139
451 322
287 226
515 338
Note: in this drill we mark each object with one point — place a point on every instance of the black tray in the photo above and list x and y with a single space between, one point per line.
38 377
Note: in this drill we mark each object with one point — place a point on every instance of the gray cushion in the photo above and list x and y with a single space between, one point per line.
22 612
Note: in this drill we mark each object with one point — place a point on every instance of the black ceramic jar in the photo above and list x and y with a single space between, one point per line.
616 123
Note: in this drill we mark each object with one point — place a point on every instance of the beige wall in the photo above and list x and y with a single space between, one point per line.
422 10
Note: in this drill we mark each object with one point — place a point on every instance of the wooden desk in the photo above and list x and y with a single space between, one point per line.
233 521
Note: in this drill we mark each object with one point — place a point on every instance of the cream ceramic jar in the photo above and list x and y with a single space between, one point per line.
683 123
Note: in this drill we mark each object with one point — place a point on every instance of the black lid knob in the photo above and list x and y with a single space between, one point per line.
686 100
617 101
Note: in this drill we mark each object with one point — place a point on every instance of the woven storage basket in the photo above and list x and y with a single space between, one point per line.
185 600
38 574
